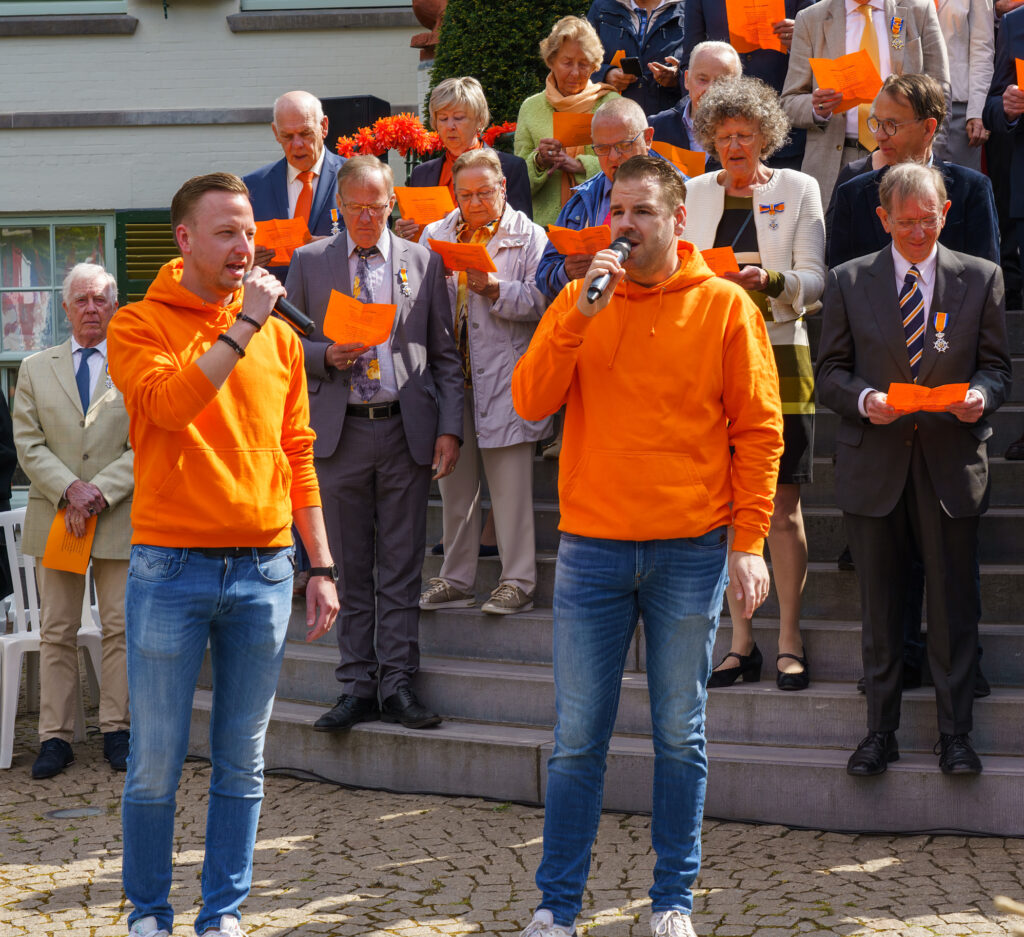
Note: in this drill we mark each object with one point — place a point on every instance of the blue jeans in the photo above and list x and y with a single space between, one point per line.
177 600
601 588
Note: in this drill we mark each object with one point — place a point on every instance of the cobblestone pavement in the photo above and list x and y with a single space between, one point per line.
332 861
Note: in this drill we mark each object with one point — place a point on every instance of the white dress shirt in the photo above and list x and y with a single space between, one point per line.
854 33
381 286
295 185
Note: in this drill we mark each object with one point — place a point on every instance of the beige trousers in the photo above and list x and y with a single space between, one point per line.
509 471
61 595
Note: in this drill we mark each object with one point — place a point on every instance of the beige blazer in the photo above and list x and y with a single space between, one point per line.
58 444
820 32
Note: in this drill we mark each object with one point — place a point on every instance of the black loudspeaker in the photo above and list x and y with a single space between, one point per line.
346 115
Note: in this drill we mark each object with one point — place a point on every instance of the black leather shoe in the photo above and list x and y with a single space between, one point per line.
54 756
957 755
793 681
749 668
873 754
402 706
845 561
346 713
115 749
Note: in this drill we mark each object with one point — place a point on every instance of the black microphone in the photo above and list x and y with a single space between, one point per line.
622 247
294 316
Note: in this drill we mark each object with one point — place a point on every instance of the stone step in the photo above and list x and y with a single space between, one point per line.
745 781
1007 483
1007 427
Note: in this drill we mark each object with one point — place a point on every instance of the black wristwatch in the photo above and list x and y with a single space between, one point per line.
330 571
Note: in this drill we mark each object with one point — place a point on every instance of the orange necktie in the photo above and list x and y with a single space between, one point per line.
869 43
304 203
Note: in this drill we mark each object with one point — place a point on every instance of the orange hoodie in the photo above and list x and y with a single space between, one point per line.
213 468
657 387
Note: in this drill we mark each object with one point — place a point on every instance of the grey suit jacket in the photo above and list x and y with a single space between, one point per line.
863 346
820 32
427 365
58 444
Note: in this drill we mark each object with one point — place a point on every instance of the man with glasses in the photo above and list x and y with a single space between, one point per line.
387 419
911 482
905 117
619 130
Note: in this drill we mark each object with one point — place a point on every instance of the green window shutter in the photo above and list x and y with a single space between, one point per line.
145 242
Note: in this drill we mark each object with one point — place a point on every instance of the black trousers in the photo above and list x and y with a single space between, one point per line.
883 549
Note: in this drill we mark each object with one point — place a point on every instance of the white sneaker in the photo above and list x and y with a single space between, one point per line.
229 927
146 927
672 924
543 925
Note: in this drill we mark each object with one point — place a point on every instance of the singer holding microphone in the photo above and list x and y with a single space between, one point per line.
673 432
219 422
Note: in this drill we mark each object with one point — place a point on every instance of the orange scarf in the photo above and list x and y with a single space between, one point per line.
446 167
585 102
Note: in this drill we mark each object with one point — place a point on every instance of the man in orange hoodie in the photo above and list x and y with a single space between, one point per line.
673 433
219 421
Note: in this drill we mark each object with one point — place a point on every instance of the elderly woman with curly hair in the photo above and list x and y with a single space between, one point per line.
772 220
459 112
573 53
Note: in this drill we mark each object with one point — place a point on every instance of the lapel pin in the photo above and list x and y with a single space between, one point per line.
896 32
771 211
941 344
334 222
403 281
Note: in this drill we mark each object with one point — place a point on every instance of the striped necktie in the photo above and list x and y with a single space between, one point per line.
912 308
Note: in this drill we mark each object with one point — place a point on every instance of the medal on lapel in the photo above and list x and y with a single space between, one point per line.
108 382
941 344
896 32
403 282
334 222
771 211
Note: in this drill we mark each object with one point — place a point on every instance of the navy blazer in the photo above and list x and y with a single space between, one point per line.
669 128
517 179
706 19
269 196
971 223
614 25
1009 45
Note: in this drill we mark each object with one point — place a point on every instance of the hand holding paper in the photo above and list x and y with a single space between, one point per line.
854 75
751 24
571 129
348 321
424 204
721 260
65 551
584 241
463 256
911 398
284 235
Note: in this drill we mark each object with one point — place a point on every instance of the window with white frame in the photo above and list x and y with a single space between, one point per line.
36 252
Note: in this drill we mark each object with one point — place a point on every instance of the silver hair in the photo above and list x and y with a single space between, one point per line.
81 272
624 110
719 49
910 180
359 167
311 101
460 92
748 99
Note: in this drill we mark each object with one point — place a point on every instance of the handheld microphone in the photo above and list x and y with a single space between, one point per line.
294 316
622 247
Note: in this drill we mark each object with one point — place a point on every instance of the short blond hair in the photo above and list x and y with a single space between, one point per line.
477 159
460 92
573 29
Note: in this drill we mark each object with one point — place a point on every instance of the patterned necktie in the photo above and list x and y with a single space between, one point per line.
364 377
82 377
304 203
912 308
642 16
869 43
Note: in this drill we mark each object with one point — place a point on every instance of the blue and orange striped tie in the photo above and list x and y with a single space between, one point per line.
912 307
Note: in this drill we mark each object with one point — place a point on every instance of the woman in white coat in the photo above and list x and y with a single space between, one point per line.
772 220
495 315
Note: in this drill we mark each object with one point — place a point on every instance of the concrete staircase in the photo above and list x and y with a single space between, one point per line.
775 757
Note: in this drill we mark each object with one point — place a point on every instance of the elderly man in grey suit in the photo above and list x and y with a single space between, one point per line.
385 417
914 313
902 36
71 431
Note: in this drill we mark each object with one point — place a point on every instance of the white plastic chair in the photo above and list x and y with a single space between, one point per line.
25 637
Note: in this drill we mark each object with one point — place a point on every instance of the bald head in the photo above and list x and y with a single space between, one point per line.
709 61
621 111
300 127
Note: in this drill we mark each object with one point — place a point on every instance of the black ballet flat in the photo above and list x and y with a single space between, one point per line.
793 681
749 669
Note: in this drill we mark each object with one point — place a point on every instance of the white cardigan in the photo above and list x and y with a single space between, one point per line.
795 248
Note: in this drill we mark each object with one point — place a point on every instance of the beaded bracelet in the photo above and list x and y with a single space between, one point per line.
232 344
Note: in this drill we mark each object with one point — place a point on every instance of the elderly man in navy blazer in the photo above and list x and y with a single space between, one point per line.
305 181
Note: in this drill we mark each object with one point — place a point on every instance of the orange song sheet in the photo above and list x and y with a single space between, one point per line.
284 235
750 24
349 321
64 550
617 59
424 204
571 129
1020 72
463 256
854 75
585 241
689 161
721 260
909 398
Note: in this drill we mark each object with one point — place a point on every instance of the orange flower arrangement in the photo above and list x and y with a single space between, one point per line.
403 132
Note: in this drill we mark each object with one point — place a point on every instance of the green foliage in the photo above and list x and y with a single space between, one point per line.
497 42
